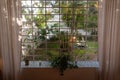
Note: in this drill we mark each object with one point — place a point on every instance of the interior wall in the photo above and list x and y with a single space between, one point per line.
53 74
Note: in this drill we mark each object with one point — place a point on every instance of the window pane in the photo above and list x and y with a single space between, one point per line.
38 10
26 11
52 27
51 53
38 3
26 3
26 18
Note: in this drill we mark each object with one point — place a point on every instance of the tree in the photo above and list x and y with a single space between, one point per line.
73 14
92 11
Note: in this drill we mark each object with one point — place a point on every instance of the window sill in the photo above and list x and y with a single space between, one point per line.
46 64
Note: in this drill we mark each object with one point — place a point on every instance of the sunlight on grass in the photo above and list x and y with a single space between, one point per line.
92 44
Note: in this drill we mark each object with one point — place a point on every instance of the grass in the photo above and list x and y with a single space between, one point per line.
81 53
91 44
53 45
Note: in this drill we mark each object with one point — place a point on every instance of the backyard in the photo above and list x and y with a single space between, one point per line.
51 28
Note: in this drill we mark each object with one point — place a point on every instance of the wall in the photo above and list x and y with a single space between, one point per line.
53 74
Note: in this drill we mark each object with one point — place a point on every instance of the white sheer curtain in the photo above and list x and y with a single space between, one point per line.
9 44
109 39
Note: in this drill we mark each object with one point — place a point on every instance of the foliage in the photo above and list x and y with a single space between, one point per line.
63 62
92 18
70 14
77 15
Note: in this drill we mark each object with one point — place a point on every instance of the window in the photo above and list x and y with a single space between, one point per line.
52 27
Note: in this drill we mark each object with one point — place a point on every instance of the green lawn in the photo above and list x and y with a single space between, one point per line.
92 44
53 50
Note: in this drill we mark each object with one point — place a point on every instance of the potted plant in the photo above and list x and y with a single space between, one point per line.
62 62
26 61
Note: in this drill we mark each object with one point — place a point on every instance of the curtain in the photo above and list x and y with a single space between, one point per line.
9 43
109 39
